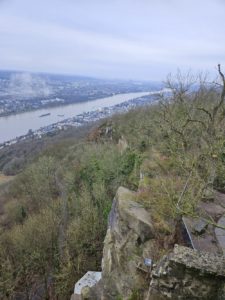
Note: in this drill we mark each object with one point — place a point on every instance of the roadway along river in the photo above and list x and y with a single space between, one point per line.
16 125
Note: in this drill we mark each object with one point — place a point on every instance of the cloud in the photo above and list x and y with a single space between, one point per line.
106 38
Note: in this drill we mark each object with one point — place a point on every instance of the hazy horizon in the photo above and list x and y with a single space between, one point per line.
115 40
46 73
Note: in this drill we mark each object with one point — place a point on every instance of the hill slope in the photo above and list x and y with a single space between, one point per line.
54 213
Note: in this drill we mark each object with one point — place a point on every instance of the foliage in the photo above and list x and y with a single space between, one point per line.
56 210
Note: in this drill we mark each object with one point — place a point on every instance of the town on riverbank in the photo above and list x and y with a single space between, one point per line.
86 117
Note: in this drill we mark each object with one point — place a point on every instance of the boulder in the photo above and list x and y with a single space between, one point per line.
188 274
200 227
132 270
88 287
127 244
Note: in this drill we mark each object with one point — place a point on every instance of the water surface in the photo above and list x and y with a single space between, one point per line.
16 125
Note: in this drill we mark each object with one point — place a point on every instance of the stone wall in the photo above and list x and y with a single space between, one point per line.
188 274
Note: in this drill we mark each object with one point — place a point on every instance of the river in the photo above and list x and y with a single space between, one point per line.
16 125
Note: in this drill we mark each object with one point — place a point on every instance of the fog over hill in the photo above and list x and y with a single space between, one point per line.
28 85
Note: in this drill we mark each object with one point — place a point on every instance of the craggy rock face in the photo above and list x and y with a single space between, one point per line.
182 274
189 274
127 243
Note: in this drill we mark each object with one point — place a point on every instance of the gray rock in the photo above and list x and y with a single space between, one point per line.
127 269
127 242
200 227
87 287
189 274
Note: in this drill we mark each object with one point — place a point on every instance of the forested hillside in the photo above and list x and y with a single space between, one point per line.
54 212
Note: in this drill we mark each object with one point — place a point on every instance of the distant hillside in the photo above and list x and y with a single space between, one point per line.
54 213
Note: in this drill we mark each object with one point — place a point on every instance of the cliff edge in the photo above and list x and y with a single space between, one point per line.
130 270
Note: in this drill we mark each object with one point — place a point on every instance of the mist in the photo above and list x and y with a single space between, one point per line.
28 85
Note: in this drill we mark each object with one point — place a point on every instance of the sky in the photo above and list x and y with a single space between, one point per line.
125 39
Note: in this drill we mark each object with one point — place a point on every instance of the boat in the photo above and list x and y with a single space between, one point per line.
60 115
45 115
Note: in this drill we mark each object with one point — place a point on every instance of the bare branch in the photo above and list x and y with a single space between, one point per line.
197 121
205 111
222 97
221 74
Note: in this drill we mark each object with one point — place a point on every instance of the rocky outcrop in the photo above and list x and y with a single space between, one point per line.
132 244
188 274
128 241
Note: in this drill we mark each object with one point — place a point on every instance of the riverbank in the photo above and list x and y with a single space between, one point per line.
19 125
84 118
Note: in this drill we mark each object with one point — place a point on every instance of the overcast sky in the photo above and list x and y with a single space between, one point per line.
131 39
